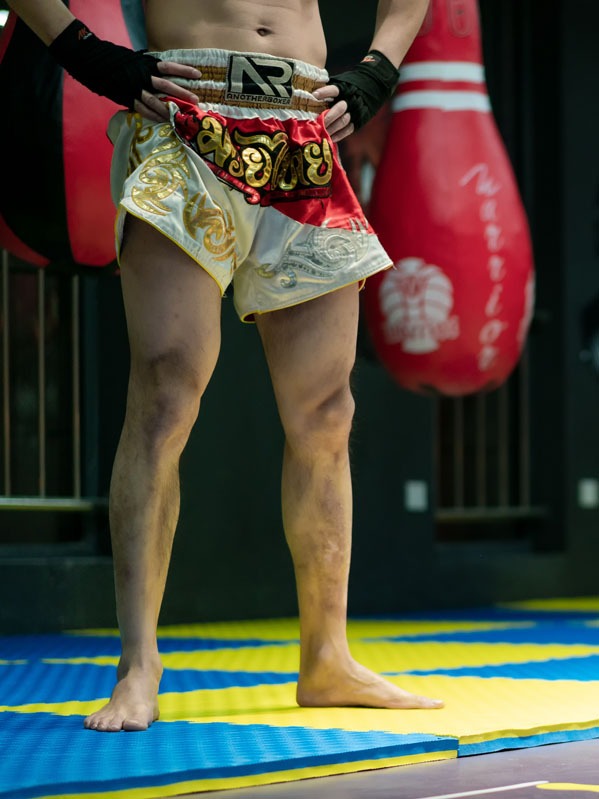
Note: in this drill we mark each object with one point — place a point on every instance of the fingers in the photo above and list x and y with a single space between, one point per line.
152 107
335 114
328 92
338 121
165 86
179 70
146 112
343 133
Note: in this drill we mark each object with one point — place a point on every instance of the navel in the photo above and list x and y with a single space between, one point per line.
262 31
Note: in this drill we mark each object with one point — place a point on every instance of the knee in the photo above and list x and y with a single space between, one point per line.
164 399
323 425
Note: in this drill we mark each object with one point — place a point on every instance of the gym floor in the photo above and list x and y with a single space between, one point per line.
558 770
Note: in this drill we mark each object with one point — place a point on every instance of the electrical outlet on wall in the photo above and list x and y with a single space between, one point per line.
416 495
588 493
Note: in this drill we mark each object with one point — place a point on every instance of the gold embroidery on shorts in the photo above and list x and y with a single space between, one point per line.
142 134
214 139
320 158
219 235
259 159
262 156
164 172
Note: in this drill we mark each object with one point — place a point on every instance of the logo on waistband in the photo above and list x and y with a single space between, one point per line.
259 79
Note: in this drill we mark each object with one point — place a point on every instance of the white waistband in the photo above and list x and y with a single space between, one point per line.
209 57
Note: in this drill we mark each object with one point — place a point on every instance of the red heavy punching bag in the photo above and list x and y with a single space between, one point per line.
55 203
453 314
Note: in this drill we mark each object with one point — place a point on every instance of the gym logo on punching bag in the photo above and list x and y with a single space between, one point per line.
416 300
259 79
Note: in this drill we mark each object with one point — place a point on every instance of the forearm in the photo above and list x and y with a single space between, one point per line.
46 18
397 23
133 79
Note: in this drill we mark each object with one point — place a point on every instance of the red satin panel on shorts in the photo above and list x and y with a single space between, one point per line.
263 158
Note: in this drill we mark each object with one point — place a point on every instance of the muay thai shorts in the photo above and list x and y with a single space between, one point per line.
247 182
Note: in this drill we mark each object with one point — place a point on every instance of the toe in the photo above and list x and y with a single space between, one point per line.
425 702
133 725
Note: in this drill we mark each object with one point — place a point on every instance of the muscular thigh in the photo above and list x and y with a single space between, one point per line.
311 348
172 305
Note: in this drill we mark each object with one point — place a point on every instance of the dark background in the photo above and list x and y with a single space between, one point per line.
230 559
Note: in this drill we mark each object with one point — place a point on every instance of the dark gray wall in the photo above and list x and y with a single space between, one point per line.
579 178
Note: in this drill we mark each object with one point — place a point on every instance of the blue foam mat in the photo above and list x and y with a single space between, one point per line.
491 614
15 647
174 752
37 682
526 741
579 669
566 634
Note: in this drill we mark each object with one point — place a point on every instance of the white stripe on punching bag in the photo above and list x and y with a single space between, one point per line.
442 70
442 100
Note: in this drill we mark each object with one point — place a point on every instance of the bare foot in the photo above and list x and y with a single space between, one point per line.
349 684
133 705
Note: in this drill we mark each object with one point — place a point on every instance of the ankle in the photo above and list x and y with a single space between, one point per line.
147 663
323 653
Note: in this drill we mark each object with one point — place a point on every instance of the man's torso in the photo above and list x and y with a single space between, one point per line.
290 28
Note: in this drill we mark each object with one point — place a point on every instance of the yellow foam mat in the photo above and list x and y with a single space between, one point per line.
288 629
229 716
376 655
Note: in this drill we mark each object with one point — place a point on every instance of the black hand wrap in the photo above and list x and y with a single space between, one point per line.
367 87
106 68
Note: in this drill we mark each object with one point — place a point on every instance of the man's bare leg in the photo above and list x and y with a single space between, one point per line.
310 350
173 320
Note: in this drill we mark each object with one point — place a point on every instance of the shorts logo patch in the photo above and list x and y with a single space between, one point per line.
259 79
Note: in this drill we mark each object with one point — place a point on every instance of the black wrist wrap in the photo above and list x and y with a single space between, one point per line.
367 87
106 68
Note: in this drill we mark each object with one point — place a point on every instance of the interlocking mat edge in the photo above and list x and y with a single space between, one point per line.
511 676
